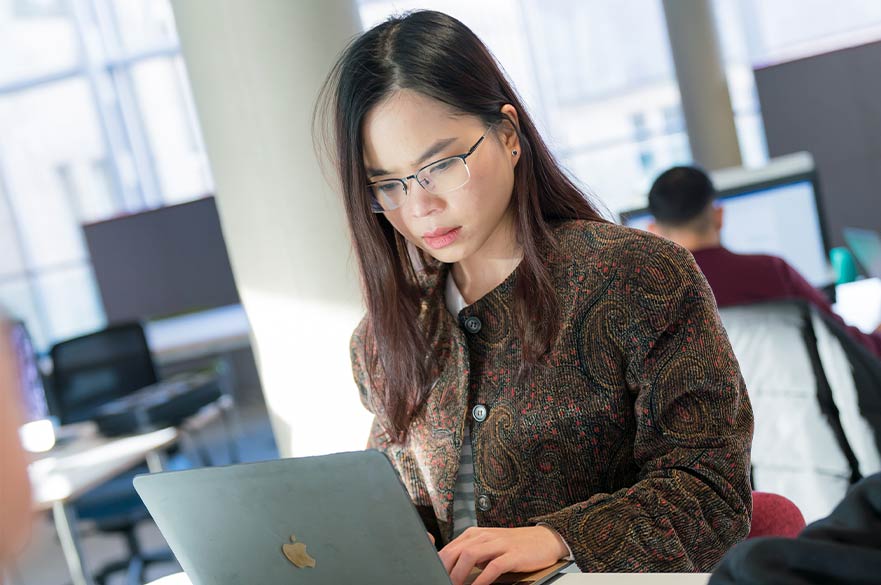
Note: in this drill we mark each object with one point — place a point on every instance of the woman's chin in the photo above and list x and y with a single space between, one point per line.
448 255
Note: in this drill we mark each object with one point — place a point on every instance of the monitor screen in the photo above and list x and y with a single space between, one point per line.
30 383
866 246
781 219
161 262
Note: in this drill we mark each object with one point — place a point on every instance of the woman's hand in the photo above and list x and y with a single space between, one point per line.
502 550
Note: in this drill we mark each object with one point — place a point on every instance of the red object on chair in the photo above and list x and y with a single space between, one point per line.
775 515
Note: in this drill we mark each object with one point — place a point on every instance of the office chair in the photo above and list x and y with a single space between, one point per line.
815 395
89 371
774 515
94 369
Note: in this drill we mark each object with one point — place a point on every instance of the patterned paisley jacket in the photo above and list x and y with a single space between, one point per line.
632 440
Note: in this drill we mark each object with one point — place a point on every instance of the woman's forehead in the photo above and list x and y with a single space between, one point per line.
404 126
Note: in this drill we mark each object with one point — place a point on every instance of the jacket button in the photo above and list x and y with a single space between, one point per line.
479 413
473 325
483 503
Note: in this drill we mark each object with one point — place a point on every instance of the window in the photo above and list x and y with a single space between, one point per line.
599 78
25 28
754 33
160 88
97 120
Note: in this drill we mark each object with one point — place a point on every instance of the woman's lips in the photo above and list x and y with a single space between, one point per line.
441 237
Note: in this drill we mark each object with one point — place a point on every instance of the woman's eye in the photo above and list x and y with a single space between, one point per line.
441 166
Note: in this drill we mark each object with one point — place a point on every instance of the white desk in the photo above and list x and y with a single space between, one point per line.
195 335
70 470
634 579
213 333
569 579
859 303
89 459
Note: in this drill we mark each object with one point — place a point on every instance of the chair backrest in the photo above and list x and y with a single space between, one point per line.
94 369
811 441
854 375
774 515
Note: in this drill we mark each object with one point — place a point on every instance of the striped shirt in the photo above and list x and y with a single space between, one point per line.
464 505
464 513
464 510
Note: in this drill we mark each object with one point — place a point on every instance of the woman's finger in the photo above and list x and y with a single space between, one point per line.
463 567
475 555
450 553
495 569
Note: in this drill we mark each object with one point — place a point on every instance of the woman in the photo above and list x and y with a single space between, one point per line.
546 383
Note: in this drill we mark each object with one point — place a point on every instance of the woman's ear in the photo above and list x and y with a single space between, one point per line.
509 133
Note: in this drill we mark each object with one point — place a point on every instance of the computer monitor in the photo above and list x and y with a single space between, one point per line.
162 262
37 432
774 210
866 246
31 392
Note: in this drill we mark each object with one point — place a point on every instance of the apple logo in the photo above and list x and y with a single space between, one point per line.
297 555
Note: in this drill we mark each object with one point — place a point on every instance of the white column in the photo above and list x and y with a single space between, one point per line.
700 72
255 69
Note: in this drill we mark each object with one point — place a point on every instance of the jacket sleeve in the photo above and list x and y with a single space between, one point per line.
692 500
360 351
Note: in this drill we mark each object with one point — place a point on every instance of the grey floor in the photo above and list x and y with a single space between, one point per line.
43 562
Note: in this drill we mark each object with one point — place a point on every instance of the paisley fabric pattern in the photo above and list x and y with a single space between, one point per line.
631 439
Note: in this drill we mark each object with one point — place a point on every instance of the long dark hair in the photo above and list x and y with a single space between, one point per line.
437 56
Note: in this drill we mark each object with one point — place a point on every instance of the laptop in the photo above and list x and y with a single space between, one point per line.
341 518
866 247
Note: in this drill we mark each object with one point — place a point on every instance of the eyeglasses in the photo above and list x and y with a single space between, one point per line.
441 176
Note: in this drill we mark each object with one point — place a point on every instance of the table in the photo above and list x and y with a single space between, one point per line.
213 333
89 459
568 579
64 474
859 303
196 335
634 579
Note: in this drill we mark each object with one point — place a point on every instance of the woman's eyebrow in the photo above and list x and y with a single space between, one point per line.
433 150
371 172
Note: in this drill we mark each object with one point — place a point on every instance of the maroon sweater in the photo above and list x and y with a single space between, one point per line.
739 279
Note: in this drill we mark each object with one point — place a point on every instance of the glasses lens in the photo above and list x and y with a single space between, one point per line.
444 175
387 195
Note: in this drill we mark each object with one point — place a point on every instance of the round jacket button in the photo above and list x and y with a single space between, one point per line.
479 413
483 503
473 325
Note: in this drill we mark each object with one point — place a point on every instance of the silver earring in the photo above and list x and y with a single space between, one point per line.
514 153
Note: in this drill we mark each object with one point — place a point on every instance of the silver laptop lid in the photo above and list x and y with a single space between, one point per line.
347 511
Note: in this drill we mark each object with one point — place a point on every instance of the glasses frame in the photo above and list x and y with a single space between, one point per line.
376 207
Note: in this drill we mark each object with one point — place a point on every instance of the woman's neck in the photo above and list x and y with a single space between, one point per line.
489 266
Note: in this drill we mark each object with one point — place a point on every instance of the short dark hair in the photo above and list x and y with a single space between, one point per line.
680 194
